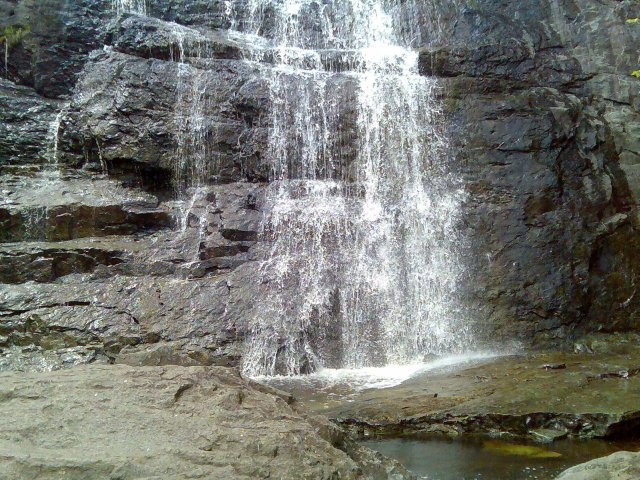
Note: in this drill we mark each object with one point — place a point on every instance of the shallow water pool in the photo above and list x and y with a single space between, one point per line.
487 459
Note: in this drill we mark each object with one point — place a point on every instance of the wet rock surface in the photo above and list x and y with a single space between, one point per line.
190 286
541 110
99 264
168 422
596 395
24 124
540 122
49 205
57 36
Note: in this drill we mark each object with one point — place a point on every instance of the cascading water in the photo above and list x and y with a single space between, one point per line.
130 6
362 268
192 163
53 137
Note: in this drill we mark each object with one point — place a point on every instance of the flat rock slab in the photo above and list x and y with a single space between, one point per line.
51 188
51 206
122 422
596 395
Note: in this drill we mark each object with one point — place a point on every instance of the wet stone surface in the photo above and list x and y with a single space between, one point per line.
596 395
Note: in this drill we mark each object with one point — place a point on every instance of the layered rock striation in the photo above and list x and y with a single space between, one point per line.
543 110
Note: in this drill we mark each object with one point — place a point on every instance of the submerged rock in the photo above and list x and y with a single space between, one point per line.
497 447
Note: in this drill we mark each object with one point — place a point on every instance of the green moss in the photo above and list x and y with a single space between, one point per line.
633 21
14 35
635 73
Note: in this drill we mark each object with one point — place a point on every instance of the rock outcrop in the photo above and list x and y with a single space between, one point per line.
25 119
169 422
540 397
194 286
541 110
619 466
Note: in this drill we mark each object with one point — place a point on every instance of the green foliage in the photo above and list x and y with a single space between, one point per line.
633 21
14 35
635 73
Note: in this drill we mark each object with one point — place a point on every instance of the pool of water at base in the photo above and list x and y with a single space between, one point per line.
491 459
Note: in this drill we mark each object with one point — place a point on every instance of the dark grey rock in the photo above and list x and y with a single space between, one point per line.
40 263
550 172
153 38
51 206
25 123
543 118
60 36
125 115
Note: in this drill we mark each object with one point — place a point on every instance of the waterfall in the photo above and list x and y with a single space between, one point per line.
362 268
192 166
53 136
129 6
362 260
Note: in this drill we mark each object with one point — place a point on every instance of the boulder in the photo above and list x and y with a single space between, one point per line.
618 466
111 421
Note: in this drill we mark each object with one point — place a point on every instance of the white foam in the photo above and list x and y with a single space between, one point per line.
358 379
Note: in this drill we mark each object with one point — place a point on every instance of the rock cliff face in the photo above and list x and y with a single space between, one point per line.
544 112
101 122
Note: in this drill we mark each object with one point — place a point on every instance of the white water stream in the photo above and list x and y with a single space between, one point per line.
363 267
130 6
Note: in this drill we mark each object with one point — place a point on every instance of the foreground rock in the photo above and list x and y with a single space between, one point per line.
168 422
619 466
